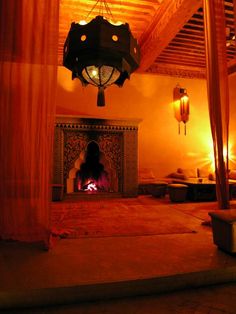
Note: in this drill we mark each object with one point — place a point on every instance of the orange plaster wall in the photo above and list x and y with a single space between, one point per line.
148 97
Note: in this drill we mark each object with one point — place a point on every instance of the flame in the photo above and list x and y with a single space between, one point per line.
91 186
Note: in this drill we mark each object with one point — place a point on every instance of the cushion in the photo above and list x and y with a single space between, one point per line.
212 177
146 174
232 174
177 186
178 175
189 173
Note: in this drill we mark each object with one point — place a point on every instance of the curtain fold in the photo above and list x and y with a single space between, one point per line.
218 93
28 75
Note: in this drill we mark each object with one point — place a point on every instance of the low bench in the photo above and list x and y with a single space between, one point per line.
177 192
157 189
224 229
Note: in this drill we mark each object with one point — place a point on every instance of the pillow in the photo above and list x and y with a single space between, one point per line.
212 177
146 174
177 175
232 174
189 173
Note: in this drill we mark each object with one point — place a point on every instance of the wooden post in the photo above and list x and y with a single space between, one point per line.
218 92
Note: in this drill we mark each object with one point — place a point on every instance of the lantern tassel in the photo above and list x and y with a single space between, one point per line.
101 97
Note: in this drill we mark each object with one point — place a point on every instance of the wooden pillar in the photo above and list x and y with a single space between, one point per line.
218 92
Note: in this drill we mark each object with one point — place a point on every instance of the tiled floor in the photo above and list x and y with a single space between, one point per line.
93 268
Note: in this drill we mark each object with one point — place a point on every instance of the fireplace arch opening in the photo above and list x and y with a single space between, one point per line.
92 171
92 175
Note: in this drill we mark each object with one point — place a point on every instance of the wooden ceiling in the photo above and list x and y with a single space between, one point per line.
170 32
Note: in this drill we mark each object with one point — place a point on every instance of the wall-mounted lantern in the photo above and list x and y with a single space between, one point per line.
181 106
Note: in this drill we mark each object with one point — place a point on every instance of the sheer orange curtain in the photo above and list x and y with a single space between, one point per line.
218 93
28 73
234 4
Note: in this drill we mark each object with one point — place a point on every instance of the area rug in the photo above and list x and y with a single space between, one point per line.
198 210
101 219
201 210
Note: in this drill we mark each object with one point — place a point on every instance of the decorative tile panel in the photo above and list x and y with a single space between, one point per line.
117 140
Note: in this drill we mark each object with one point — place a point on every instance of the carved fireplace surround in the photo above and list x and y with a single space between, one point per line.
118 145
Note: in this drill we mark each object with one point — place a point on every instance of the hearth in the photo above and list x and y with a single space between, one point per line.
96 156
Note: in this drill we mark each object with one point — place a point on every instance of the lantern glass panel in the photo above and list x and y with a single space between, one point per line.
108 75
91 75
100 76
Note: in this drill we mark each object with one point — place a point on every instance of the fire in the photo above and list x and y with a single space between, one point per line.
91 186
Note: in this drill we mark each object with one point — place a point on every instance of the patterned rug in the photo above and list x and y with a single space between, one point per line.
115 218
201 210
198 210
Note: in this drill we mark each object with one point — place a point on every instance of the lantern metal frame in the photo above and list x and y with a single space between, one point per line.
97 44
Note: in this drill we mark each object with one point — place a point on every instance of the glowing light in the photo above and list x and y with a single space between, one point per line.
185 98
82 22
83 37
94 72
114 38
225 153
230 152
212 158
91 186
117 23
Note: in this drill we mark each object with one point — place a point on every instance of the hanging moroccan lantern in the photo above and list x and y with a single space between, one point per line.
181 106
101 54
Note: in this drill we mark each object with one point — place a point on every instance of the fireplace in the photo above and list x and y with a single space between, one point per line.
98 155
92 174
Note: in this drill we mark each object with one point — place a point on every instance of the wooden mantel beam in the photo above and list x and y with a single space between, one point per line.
168 20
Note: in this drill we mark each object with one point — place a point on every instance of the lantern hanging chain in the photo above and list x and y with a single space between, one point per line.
108 9
101 8
122 9
92 9
103 4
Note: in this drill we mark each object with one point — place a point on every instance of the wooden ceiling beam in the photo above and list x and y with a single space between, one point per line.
168 20
180 52
178 63
183 58
177 70
183 41
190 37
